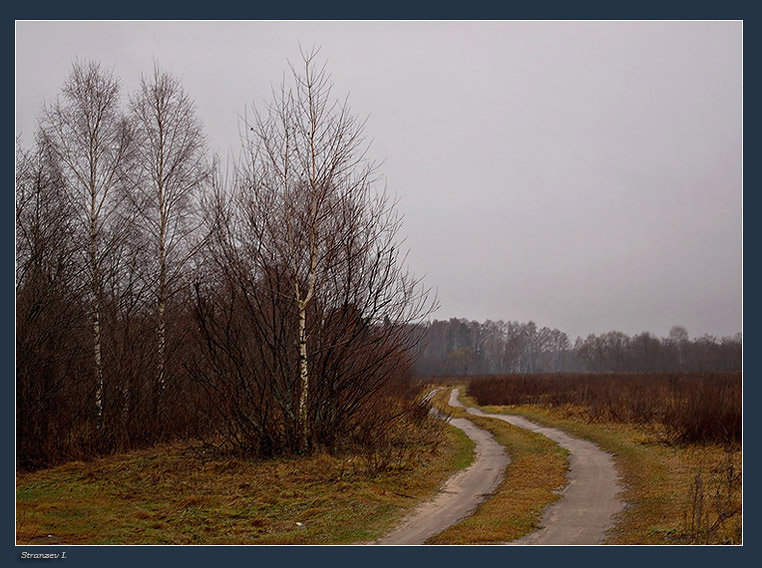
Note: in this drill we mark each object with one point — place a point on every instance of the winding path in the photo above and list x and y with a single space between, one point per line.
461 493
589 503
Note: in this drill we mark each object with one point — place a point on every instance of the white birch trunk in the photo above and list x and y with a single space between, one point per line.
161 308
161 346
303 374
95 290
98 366
161 327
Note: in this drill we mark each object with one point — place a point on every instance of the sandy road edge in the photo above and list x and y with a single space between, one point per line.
590 501
460 495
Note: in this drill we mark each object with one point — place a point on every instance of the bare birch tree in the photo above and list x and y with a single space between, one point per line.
171 169
92 140
308 197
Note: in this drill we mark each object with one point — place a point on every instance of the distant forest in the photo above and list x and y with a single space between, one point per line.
462 347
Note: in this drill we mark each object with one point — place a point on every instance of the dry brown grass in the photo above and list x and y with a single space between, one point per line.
660 479
536 472
690 407
175 495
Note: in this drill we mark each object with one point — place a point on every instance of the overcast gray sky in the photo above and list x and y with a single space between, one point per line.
584 175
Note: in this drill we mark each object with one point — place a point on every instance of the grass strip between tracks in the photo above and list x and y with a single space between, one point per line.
537 471
675 494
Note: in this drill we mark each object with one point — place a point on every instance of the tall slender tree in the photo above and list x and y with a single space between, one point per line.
171 169
92 140
308 195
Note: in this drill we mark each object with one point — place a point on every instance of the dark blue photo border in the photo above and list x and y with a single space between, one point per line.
313 556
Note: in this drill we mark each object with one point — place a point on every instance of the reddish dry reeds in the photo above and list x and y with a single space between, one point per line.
692 407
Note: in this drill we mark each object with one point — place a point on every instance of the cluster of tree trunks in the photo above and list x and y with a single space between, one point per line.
267 310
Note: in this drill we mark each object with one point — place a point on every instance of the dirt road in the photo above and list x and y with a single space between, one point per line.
460 495
586 510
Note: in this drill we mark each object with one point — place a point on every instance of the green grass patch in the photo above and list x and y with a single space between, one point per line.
175 495
463 456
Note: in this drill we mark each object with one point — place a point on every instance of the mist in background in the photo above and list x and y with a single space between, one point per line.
583 175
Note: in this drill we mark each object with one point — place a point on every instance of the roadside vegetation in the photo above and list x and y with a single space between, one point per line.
263 306
532 481
684 407
183 494
680 489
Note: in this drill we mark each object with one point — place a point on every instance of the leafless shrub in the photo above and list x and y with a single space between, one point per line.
305 310
693 407
711 409
270 313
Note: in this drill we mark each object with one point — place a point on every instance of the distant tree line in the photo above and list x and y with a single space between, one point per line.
267 308
462 347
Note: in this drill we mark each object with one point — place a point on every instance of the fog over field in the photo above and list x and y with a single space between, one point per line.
584 175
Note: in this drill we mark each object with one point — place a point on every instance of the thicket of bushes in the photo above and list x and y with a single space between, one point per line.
268 311
693 407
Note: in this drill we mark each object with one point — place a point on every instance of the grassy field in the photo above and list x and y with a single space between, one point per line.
537 470
176 495
676 493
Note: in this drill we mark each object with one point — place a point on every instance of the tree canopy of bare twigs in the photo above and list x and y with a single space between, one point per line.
306 241
171 170
267 311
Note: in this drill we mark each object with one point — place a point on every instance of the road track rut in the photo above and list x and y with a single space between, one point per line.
589 504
